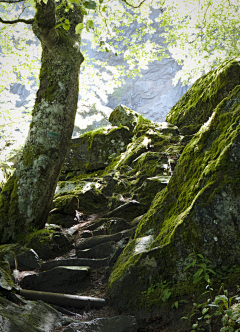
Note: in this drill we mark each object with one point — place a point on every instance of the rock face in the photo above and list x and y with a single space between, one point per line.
199 209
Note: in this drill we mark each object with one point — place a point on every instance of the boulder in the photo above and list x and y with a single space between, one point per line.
66 204
19 257
30 316
95 149
48 243
196 106
101 250
199 210
59 279
124 116
128 211
121 323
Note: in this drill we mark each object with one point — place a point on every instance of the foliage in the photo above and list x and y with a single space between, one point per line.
214 305
201 35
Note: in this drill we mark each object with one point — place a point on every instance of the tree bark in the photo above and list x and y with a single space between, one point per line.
26 199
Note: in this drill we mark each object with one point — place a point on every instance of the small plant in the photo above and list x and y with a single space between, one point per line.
219 305
160 287
203 265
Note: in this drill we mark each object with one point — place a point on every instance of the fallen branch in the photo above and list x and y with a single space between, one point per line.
67 300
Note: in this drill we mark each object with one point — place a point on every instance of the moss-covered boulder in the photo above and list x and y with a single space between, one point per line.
92 201
95 149
124 116
48 243
198 103
199 210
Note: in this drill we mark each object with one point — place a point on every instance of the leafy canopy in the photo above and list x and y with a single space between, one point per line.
199 34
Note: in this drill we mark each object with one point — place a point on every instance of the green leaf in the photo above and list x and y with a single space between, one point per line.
66 26
104 9
100 1
196 280
78 28
90 4
204 310
83 10
198 273
90 24
45 1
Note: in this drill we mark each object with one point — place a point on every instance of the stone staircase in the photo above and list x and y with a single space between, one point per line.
76 283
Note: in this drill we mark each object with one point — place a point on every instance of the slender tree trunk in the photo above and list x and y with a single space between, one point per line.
26 198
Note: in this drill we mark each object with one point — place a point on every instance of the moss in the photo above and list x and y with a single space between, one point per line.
197 105
42 236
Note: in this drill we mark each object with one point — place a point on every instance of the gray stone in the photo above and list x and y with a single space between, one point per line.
59 279
128 211
120 323
100 251
92 151
93 263
124 116
6 281
30 316
67 204
28 260
112 226
96 240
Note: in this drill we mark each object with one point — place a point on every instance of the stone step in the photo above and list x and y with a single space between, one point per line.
60 279
93 263
96 240
102 250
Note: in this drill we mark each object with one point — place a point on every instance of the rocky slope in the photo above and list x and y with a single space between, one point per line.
134 200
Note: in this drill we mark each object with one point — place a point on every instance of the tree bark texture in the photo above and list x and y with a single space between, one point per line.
27 196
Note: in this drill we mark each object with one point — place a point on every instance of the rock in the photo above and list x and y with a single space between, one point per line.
96 240
111 226
66 204
123 116
118 250
30 317
128 211
59 279
93 263
28 260
109 185
86 234
6 281
19 257
91 201
93 150
48 244
150 187
120 323
102 250
199 210
197 105
63 220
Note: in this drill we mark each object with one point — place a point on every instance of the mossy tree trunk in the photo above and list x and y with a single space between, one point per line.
26 198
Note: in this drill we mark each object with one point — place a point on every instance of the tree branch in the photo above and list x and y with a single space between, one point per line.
127 3
20 20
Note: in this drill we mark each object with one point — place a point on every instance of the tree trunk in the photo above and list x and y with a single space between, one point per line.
26 198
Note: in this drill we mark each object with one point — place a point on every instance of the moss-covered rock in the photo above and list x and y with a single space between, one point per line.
48 243
66 204
95 149
124 116
199 210
92 201
198 103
